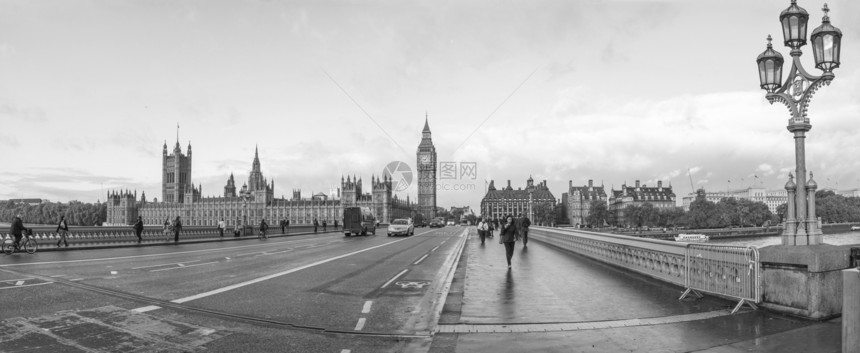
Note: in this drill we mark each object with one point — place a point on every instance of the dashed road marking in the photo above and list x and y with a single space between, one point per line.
434 249
159 265
366 308
345 351
183 266
421 259
19 283
394 278
264 278
360 324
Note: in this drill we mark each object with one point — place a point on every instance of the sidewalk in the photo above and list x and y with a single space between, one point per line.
555 301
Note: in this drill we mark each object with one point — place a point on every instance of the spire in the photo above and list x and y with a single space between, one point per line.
426 123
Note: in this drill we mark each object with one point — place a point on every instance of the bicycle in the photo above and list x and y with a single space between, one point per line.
28 242
262 234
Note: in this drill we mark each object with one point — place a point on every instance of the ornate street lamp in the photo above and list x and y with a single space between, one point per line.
801 226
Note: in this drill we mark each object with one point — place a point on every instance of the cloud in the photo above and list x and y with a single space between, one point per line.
24 114
766 169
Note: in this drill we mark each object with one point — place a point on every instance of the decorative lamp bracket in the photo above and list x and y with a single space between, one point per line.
797 91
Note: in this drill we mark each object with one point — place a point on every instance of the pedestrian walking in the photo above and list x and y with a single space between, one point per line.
177 227
138 229
508 237
335 225
166 229
283 225
482 229
523 228
17 230
490 227
496 225
221 227
63 232
288 227
316 224
236 231
324 225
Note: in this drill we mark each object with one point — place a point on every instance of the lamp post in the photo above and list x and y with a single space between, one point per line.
801 226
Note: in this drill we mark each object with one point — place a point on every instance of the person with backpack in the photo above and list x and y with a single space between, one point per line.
177 227
523 229
138 229
221 227
316 224
63 232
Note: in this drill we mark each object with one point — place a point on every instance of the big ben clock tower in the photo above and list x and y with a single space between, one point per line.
426 174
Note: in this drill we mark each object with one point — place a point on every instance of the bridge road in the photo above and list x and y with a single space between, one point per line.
388 287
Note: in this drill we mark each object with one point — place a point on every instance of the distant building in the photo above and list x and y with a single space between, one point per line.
849 193
505 201
772 198
31 202
660 197
254 202
578 199
426 162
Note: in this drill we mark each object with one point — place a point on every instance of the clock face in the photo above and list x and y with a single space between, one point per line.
425 159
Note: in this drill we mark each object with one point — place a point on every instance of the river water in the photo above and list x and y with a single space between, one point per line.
845 238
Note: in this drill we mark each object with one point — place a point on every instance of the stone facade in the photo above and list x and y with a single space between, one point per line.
505 201
660 197
772 198
578 201
426 162
253 203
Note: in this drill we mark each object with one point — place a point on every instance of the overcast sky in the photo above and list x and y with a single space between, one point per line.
612 91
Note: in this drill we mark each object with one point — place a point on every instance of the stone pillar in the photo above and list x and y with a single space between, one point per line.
851 311
813 233
788 234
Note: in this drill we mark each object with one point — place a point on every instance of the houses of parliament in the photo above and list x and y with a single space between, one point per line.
255 200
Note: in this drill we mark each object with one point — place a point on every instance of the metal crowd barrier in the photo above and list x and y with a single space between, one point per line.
731 271
723 270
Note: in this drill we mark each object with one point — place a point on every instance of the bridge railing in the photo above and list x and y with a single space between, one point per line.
728 271
114 235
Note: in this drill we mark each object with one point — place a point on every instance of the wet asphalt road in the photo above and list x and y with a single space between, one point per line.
309 293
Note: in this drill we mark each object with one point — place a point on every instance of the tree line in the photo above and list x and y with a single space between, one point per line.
728 212
77 213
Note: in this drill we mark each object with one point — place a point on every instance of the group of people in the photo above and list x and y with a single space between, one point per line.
324 225
511 229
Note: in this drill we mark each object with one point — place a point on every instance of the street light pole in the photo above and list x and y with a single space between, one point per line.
801 226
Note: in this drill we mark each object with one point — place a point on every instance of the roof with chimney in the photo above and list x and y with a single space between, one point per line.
538 192
644 192
587 192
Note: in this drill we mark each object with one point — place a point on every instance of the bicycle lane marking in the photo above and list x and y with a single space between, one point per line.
264 278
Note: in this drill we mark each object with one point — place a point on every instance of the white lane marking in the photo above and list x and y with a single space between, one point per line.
113 272
76 279
366 308
19 283
360 324
421 259
176 268
58 276
276 252
152 255
394 278
443 242
16 280
264 278
434 249
146 308
250 253
27 285
175 263
345 351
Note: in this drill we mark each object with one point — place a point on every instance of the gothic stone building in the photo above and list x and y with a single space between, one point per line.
253 202
426 162
659 196
499 203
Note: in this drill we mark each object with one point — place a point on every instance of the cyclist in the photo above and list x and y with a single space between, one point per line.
17 230
263 228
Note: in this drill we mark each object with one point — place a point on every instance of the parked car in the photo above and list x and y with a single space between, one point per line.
451 223
358 220
436 224
401 227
